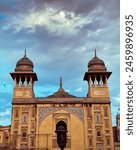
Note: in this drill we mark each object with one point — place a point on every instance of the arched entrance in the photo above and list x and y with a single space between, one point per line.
61 130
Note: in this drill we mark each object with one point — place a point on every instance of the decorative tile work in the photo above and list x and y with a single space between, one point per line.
45 111
97 118
24 118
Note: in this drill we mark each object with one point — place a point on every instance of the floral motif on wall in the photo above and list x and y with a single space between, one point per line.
45 111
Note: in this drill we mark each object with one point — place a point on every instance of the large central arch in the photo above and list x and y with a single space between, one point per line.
74 125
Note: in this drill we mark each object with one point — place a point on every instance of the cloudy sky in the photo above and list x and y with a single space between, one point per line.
60 37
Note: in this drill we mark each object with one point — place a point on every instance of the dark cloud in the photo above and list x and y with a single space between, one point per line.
5 8
60 45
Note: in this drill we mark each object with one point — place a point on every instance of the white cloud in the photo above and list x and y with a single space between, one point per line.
117 98
5 121
79 89
52 19
5 113
67 90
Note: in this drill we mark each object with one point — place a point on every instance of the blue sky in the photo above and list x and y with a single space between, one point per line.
60 37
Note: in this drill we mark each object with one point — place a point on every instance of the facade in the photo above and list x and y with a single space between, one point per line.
4 137
61 119
116 133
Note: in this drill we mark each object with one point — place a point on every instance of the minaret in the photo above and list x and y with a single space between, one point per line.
24 78
118 124
97 77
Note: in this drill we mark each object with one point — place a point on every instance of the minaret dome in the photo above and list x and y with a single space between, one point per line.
24 64
96 64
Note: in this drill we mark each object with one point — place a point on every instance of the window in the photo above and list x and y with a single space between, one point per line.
16 111
15 142
98 132
33 112
16 124
107 140
24 135
105 111
89 124
32 142
90 141
33 124
106 123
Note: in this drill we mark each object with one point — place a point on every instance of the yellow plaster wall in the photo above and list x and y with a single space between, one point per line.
77 134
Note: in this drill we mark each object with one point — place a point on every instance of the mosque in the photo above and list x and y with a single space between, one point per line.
61 120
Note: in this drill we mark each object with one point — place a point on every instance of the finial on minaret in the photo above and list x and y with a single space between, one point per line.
25 53
95 53
60 82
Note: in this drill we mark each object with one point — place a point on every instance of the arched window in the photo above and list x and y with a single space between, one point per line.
61 123
16 111
61 130
106 112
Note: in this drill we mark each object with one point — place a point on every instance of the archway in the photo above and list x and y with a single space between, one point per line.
61 130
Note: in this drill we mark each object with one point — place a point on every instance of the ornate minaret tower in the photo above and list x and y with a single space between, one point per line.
24 78
97 77
118 125
99 123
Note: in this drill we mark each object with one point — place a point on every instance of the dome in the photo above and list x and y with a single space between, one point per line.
24 64
96 64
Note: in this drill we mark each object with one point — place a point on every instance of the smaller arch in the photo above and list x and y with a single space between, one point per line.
61 123
93 79
103 79
22 80
98 79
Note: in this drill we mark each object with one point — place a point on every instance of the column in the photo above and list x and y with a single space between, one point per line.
20 83
106 81
15 82
31 81
101 82
25 82
95 82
